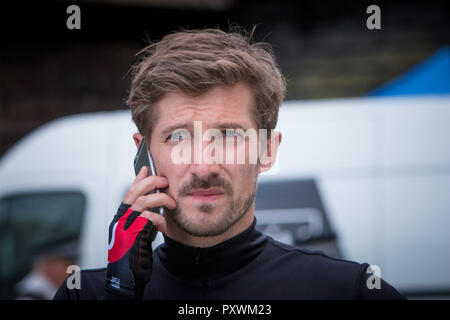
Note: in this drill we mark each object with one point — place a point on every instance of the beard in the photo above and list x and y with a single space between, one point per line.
216 223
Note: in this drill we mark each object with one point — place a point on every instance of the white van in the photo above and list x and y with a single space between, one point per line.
375 173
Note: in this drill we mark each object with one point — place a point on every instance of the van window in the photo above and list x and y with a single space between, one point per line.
27 220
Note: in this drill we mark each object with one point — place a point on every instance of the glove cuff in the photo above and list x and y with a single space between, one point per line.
123 208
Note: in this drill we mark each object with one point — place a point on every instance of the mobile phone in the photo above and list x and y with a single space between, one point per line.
144 158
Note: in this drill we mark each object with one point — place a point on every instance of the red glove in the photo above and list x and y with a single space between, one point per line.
129 254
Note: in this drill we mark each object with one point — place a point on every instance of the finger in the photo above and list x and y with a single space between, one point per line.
154 200
143 173
158 220
145 186
130 196
151 183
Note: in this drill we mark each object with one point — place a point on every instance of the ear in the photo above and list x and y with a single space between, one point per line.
137 137
268 156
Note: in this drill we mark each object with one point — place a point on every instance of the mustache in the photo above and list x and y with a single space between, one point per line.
212 181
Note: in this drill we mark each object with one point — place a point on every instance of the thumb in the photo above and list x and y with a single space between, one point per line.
158 220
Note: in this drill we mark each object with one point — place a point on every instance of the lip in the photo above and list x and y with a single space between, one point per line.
207 195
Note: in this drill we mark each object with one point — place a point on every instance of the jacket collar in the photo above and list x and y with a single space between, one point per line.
213 262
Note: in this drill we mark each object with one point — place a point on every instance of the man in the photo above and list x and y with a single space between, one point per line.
186 86
51 258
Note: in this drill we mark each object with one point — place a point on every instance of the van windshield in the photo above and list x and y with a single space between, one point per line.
27 220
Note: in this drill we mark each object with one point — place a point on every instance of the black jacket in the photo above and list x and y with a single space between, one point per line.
247 266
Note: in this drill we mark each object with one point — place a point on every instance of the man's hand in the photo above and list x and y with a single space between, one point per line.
131 233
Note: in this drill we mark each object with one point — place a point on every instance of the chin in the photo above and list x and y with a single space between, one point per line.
202 224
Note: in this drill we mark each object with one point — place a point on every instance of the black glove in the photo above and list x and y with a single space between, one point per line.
129 254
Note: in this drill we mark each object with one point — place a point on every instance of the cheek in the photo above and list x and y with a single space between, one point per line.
243 176
173 172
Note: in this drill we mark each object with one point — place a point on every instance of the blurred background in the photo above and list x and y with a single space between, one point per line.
364 174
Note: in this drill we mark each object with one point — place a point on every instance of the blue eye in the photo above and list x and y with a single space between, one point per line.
179 136
232 134
228 133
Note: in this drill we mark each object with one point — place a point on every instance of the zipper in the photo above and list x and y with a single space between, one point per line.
197 256
204 280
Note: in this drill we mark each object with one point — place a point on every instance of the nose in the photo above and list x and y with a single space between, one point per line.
204 170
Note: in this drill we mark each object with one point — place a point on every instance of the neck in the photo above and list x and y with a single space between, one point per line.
180 236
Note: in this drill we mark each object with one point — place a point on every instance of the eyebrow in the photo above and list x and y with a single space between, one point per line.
175 126
230 125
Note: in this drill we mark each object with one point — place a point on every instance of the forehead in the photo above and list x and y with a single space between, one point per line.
222 104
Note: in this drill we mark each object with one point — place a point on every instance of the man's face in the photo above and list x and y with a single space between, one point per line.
210 197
